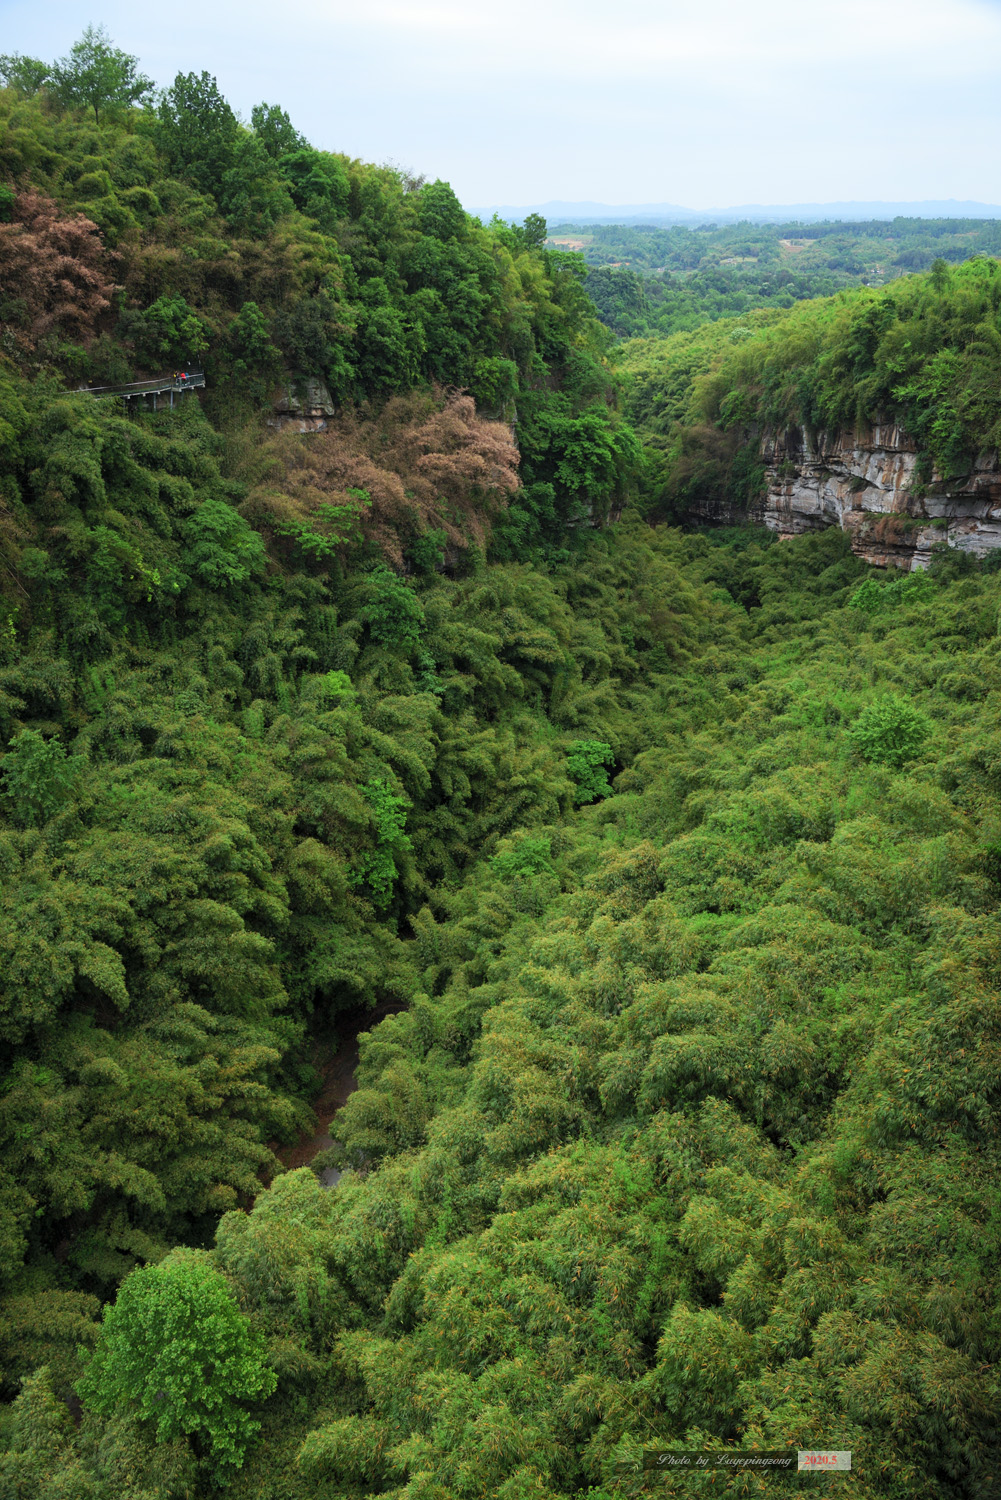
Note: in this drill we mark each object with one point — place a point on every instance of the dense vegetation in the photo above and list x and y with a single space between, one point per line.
688 1131
923 352
682 854
667 280
169 236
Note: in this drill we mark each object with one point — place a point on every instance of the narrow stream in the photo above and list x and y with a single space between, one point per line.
339 1071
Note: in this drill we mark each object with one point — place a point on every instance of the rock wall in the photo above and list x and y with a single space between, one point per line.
303 406
865 482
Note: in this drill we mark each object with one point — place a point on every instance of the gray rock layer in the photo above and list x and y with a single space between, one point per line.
303 406
866 483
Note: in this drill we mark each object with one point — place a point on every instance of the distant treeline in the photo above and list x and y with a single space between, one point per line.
647 280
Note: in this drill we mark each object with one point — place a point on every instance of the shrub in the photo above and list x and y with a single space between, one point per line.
586 768
222 548
890 731
377 868
37 777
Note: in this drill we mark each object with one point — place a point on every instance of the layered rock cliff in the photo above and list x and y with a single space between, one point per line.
868 483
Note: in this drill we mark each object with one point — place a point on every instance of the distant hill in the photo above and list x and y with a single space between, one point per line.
592 213
560 212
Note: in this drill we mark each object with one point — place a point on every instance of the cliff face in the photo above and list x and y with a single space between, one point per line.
865 482
304 406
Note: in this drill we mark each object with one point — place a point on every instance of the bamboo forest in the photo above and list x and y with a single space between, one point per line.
410 663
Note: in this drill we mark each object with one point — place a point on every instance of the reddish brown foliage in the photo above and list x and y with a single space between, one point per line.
889 528
53 273
427 461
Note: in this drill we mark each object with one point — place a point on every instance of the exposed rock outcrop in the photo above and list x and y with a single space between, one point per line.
303 406
867 483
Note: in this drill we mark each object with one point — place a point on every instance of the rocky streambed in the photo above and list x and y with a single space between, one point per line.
336 1060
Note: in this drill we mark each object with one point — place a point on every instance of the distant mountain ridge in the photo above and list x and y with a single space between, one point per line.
560 212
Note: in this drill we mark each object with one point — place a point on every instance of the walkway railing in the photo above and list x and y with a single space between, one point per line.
193 379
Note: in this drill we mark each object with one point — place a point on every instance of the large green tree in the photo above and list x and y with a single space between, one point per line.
197 131
275 130
99 76
176 1347
25 75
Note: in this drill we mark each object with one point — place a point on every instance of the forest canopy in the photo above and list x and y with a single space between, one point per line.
921 355
668 863
663 280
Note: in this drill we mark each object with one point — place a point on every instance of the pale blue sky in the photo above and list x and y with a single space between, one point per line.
697 102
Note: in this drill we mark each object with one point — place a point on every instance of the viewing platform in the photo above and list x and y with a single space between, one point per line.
152 391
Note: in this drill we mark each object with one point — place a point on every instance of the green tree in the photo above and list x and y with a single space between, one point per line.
377 868
584 459
890 731
250 358
37 776
495 383
388 346
393 612
440 212
586 764
98 76
275 130
534 232
197 131
175 1346
25 75
170 329
223 549
871 596
318 185
308 334
252 194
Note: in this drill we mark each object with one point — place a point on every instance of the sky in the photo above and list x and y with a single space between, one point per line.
702 103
